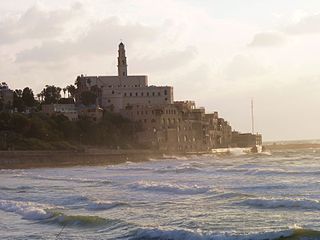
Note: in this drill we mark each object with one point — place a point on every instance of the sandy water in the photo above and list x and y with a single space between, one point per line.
239 196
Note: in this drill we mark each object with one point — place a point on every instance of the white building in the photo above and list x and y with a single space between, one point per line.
117 92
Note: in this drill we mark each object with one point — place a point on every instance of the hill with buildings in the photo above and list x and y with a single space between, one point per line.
112 111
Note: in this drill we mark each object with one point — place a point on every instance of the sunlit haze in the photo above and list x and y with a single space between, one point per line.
219 53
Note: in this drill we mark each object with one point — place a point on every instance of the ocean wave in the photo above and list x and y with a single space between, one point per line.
49 214
283 203
28 210
169 188
18 188
160 234
71 200
78 220
175 157
76 180
104 205
180 169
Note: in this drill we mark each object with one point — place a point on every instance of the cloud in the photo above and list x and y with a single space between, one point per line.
165 61
268 39
243 66
37 23
100 39
307 25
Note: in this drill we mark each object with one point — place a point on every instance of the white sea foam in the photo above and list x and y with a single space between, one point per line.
169 187
284 203
161 234
28 210
180 169
175 157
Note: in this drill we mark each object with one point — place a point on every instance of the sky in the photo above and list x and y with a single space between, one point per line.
219 53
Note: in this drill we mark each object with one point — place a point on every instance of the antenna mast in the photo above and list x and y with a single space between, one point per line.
252 117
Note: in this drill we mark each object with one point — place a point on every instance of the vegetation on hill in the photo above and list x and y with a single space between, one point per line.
37 131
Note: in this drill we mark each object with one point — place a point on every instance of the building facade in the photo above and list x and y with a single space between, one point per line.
116 92
68 110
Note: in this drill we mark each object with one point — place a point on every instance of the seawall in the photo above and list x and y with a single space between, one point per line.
40 159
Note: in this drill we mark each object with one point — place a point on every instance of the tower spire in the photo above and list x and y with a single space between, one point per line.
122 61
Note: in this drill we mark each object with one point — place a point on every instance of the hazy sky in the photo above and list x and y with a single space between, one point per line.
220 53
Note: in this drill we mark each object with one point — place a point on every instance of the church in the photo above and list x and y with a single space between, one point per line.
115 93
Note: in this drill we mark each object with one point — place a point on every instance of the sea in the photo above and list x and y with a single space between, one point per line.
273 195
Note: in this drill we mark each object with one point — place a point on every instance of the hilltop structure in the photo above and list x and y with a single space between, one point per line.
115 93
165 124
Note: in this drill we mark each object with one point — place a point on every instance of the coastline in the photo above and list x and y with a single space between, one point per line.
92 157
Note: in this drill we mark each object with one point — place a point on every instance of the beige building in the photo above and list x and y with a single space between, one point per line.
117 92
94 113
68 110
178 127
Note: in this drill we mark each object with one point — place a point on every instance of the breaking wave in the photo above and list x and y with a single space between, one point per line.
283 203
47 214
159 234
180 169
28 210
78 220
169 188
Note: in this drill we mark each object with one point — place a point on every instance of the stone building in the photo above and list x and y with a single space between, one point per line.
164 124
68 110
116 92
178 127
246 139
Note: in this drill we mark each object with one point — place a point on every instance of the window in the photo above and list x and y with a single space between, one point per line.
166 99
165 92
158 93
125 94
136 94
130 94
148 94
152 93
142 94
112 92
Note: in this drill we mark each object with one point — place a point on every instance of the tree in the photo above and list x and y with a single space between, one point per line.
18 103
71 91
51 94
88 98
28 97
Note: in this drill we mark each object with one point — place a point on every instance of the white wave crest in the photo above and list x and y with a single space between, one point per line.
160 234
169 187
28 210
284 203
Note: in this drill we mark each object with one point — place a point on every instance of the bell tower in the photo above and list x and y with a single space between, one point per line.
122 61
